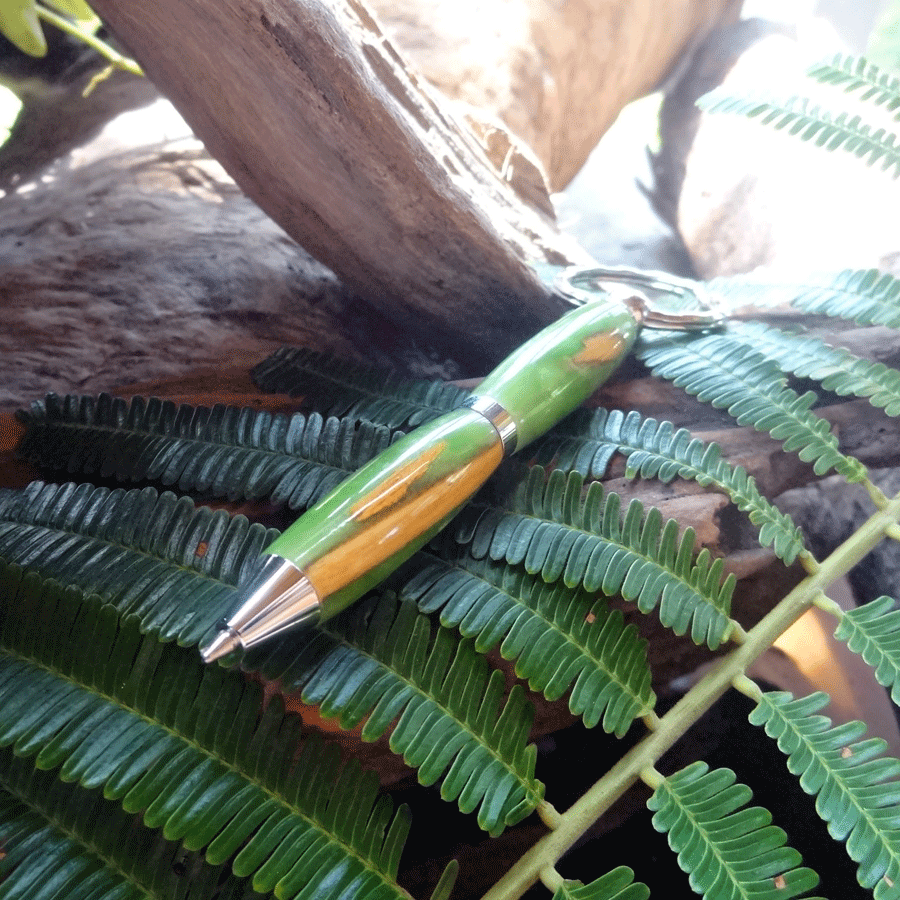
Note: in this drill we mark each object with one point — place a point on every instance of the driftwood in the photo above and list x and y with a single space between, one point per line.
321 121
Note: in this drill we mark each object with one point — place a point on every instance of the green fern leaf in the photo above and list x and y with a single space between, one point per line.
719 370
353 390
856 789
187 746
379 662
866 296
549 529
618 884
223 451
838 370
809 121
587 441
60 840
729 851
557 636
857 74
873 631
173 565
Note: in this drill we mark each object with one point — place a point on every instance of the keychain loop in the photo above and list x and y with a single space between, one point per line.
581 284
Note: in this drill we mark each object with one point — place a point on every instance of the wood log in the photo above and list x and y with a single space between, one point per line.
322 122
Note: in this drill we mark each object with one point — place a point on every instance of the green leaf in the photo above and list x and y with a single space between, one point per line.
615 885
856 789
20 25
561 638
354 390
550 529
719 370
836 369
730 851
809 121
587 440
173 565
873 631
857 74
378 663
223 451
60 840
866 296
188 746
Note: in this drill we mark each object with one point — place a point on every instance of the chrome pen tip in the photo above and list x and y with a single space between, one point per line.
225 641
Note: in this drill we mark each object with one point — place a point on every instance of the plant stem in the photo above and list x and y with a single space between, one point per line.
82 34
641 758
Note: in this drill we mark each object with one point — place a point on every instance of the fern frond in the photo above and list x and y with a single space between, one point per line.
837 369
379 662
865 296
549 529
223 451
873 631
856 789
618 884
188 746
60 840
720 371
175 566
857 74
730 851
559 637
809 121
354 390
586 442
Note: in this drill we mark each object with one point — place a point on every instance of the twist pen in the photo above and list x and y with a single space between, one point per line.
379 516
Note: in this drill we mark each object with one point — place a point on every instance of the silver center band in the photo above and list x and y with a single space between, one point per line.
498 417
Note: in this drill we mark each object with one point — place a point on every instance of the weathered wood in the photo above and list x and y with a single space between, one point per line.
322 122
555 74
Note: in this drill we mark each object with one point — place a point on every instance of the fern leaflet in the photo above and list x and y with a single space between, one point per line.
873 631
549 529
187 746
63 841
855 73
838 370
173 565
857 790
619 884
223 451
719 370
378 662
555 634
729 851
865 296
587 441
809 121
354 390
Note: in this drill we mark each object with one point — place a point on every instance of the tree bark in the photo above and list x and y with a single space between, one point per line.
322 122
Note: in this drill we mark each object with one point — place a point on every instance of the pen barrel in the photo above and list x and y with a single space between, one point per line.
560 367
380 515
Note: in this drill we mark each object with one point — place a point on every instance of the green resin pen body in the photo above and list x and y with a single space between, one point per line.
387 510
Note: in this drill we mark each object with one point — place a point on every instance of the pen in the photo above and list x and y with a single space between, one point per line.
383 513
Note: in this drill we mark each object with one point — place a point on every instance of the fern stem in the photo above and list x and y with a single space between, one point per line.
548 814
730 671
82 34
826 604
875 493
893 531
651 721
551 879
651 777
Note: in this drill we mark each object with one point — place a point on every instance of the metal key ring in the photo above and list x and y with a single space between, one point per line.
581 284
